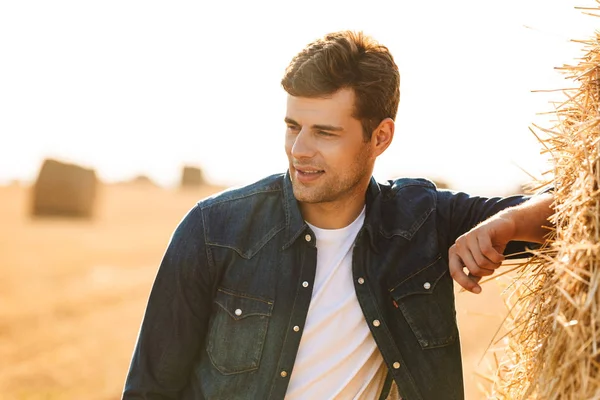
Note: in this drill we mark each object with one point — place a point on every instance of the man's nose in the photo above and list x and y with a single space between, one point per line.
304 146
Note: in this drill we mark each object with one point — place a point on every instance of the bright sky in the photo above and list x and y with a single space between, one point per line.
141 87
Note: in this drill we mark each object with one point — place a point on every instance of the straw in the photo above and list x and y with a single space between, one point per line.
552 348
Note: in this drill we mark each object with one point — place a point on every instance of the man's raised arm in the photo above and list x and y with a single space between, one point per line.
480 250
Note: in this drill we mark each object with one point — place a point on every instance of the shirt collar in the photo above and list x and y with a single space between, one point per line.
295 224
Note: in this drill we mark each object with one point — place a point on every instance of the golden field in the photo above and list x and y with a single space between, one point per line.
72 293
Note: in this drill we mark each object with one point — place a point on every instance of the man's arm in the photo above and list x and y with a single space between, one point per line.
176 317
480 250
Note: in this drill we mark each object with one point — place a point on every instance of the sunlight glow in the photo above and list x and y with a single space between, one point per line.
141 87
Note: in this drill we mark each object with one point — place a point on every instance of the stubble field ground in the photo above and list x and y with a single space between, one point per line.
72 293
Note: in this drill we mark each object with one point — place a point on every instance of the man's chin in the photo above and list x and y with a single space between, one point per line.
307 195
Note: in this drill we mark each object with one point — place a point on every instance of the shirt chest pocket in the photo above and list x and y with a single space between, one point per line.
237 331
426 300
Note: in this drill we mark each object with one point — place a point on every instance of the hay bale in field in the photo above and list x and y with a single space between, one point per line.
553 345
440 183
63 189
142 180
192 177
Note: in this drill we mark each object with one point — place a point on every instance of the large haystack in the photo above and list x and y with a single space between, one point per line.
554 324
192 177
63 189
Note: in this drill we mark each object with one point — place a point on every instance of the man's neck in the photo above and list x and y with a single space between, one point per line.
333 215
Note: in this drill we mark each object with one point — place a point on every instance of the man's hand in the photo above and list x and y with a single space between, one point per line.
479 251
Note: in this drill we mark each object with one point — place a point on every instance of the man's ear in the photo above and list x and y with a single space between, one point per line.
382 136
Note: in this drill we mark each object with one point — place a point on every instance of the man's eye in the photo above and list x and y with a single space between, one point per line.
293 128
323 133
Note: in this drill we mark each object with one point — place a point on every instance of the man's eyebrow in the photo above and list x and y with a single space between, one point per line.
290 121
320 127
328 128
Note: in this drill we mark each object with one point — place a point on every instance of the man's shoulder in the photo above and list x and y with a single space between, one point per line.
403 183
267 186
404 205
245 218
401 187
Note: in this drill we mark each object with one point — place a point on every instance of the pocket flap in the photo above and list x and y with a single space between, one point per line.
239 305
421 282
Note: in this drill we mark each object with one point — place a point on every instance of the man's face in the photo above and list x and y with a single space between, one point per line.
328 157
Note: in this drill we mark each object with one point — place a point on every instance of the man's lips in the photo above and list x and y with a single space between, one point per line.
308 170
307 174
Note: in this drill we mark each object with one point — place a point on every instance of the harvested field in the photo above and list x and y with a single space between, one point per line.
73 293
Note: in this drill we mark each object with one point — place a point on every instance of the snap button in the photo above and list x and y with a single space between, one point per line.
427 285
296 328
361 281
238 312
376 323
283 374
396 365
305 284
307 238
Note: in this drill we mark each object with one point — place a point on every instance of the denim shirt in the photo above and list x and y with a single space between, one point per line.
237 278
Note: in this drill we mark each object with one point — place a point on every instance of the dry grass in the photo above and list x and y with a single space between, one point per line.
73 293
554 341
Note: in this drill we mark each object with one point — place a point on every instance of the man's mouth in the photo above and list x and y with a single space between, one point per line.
305 170
306 174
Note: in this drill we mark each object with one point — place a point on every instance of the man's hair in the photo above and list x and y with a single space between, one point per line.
350 60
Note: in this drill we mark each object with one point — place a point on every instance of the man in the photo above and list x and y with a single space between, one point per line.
321 283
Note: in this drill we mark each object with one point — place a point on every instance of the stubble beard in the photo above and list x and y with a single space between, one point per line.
322 193
333 188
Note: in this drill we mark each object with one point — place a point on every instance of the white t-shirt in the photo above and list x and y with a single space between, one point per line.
337 357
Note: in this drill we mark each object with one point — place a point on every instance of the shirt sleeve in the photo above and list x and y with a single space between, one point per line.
175 320
459 212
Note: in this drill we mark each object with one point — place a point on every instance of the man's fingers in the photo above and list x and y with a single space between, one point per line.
474 278
479 252
488 251
479 260
457 273
466 255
